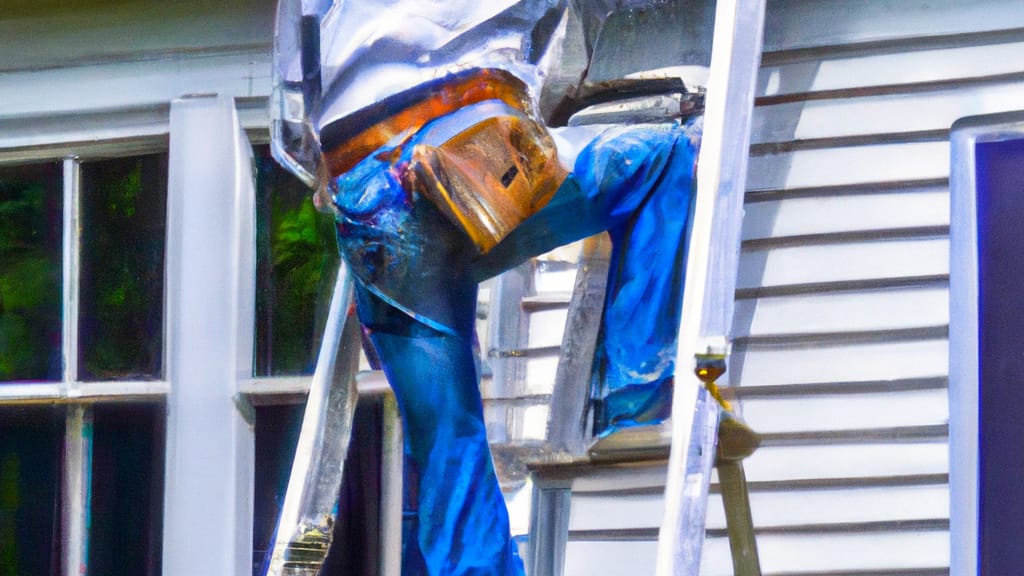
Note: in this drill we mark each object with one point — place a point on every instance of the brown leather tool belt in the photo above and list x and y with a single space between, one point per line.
350 139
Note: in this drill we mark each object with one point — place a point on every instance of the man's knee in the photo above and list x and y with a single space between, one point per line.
622 166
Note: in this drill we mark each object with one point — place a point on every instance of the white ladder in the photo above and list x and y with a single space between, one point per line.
706 320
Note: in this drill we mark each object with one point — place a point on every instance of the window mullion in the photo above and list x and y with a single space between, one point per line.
210 266
78 420
71 266
77 488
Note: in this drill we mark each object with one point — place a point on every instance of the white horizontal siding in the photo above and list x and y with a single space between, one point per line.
849 166
843 261
847 175
890 114
816 554
773 463
90 72
547 327
554 279
774 508
840 505
641 477
884 552
795 24
843 311
118 85
899 68
924 206
847 412
611 512
50 34
610 558
540 374
778 365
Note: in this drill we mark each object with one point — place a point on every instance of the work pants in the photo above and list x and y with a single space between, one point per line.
634 182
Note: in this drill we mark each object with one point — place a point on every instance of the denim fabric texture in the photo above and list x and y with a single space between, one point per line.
417 276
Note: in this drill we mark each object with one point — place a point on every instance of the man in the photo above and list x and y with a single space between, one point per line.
417 120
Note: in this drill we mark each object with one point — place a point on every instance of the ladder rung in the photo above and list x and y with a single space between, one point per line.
803 484
916 525
550 301
539 352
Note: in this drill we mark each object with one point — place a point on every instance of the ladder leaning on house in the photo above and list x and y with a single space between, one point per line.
707 313
570 459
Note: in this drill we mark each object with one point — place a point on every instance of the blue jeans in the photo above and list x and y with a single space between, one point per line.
416 298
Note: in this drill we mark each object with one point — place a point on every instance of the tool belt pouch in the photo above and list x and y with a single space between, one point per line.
487 168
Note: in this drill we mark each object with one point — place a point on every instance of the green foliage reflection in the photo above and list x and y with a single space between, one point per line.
297 255
121 315
10 498
30 443
30 273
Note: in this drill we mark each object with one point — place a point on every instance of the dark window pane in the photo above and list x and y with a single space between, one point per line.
296 258
354 548
124 212
127 490
31 441
277 431
30 272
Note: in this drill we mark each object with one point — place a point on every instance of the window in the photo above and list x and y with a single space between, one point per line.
120 319
296 260
30 275
986 259
30 512
81 349
126 518
296 263
83 368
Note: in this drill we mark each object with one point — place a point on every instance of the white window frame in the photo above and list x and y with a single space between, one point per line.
78 395
965 454
77 138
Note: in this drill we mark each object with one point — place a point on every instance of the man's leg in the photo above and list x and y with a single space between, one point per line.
637 183
462 520
635 359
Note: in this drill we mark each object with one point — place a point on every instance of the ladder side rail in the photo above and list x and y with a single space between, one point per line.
738 520
714 250
307 515
567 433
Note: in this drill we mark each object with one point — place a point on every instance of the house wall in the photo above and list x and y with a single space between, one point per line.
102 70
840 353
89 80
840 356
